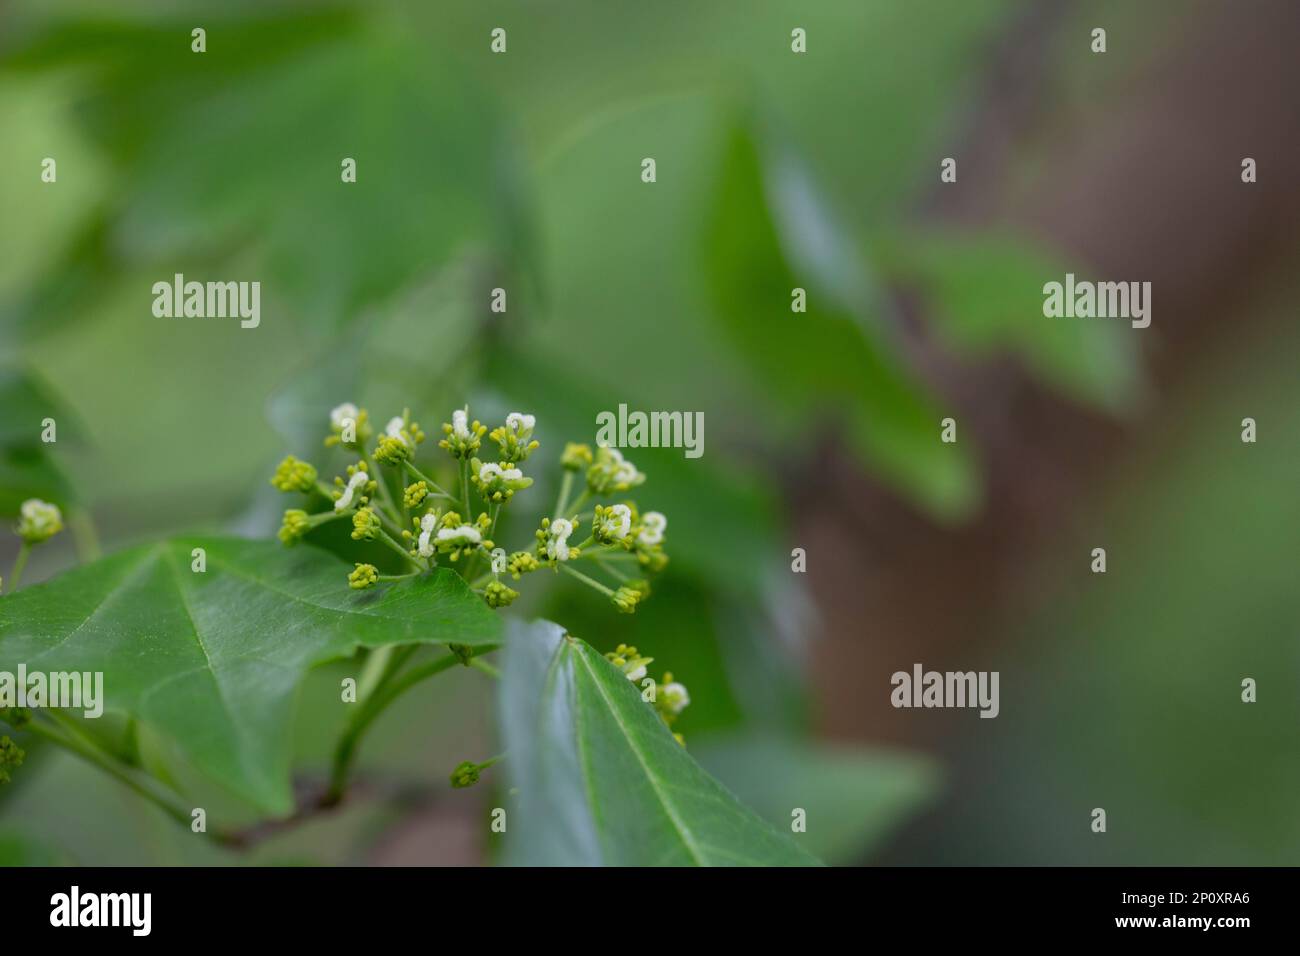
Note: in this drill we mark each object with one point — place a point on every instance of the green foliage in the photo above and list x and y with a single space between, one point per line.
853 797
600 778
984 296
297 92
212 660
27 470
771 233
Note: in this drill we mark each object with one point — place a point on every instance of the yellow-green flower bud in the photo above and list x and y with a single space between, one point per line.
626 599
465 774
38 520
652 559
499 595
392 450
365 525
365 576
415 494
296 524
576 457
294 475
522 562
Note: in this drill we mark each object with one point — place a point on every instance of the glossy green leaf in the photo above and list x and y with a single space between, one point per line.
600 778
853 797
212 660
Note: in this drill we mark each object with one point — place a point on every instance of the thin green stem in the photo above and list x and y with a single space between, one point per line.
464 488
615 572
387 538
589 581
421 476
89 752
481 665
20 562
370 708
575 508
566 485
382 482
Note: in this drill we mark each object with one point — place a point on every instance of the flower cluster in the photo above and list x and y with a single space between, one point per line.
668 697
429 514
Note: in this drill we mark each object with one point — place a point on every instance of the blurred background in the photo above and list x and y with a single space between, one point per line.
775 170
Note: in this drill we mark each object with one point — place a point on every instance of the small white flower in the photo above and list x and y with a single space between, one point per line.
341 413
358 480
675 697
624 470
465 534
636 673
617 523
557 546
653 525
460 424
519 422
394 429
428 524
492 470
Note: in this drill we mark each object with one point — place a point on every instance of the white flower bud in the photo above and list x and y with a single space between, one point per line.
358 480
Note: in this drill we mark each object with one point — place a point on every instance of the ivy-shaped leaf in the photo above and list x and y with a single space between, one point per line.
600 778
212 660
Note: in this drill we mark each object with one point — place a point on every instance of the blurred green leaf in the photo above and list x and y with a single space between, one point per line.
212 660
27 469
853 797
600 778
239 150
770 232
986 294
21 849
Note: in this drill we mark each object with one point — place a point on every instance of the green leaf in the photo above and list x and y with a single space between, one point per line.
212 660
285 97
986 294
770 232
26 468
600 778
854 798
